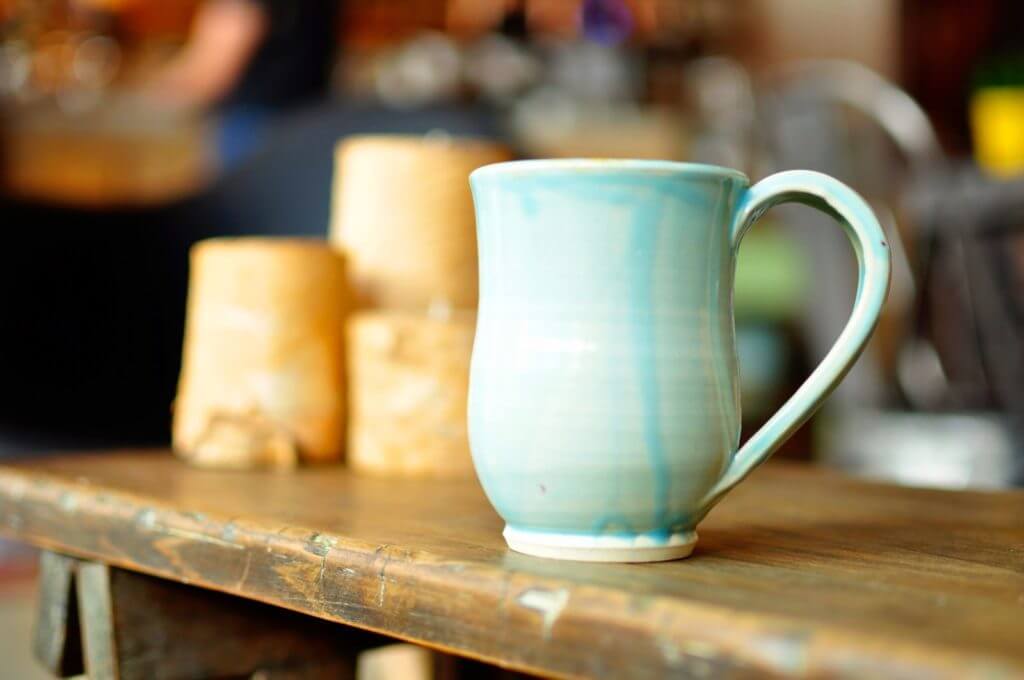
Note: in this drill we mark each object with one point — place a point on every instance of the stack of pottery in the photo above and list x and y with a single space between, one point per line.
402 216
283 335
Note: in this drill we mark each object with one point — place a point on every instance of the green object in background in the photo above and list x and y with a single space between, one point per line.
771 275
998 71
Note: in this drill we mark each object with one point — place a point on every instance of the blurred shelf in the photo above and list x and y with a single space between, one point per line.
118 155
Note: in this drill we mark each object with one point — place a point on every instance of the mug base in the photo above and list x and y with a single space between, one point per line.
598 548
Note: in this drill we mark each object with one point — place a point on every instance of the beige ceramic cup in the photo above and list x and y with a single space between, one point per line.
403 216
262 378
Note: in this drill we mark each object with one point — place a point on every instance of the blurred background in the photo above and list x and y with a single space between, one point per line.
129 129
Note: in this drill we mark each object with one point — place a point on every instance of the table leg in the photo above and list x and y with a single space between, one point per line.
56 640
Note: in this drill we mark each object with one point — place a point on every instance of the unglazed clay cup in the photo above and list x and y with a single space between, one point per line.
604 412
402 214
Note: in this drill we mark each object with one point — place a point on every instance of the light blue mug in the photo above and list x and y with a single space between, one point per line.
604 413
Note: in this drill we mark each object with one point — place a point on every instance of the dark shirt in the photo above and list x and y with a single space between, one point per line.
293 63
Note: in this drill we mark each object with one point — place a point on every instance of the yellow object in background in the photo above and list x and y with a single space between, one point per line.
997 124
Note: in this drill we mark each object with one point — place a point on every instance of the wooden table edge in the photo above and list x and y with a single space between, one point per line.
683 630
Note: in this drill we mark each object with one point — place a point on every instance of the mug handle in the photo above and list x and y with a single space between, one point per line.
842 203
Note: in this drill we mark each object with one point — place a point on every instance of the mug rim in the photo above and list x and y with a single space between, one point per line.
660 167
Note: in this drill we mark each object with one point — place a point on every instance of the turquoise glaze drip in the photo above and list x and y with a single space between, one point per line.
642 248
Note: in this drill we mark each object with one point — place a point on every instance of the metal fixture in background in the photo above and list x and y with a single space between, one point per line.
955 416
974 228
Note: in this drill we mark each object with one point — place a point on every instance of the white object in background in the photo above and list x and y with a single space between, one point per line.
948 451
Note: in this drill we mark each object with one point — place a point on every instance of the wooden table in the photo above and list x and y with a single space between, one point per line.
798 572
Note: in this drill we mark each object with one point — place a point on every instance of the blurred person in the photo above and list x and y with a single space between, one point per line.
249 61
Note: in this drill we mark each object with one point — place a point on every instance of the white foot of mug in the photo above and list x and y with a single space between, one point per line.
601 548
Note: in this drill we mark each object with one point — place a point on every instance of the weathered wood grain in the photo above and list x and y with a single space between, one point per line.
798 572
134 626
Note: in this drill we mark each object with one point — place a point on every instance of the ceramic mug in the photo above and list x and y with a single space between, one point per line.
604 413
